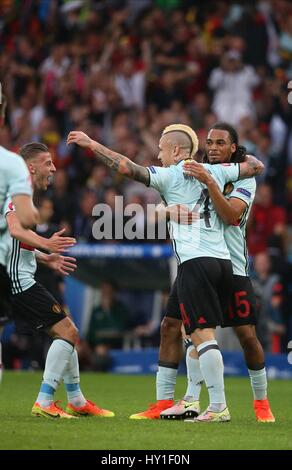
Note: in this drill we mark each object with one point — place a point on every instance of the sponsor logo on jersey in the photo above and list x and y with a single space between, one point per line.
152 169
188 177
56 308
244 191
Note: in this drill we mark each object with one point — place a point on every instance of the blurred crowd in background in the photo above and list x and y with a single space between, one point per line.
121 70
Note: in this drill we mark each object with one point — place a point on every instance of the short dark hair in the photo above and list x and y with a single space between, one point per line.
240 153
30 150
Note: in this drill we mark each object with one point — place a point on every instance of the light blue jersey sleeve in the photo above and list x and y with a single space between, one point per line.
235 234
160 178
18 177
244 190
14 176
224 172
8 206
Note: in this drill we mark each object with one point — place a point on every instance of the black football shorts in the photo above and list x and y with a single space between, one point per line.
36 309
201 293
5 294
243 308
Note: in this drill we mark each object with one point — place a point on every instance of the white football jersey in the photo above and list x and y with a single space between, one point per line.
20 260
14 176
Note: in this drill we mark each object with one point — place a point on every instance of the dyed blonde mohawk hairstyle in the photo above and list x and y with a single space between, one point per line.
189 132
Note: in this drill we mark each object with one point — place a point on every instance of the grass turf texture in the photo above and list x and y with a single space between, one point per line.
130 394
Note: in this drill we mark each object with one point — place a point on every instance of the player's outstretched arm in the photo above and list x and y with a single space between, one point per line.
114 160
22 234
55 244
64 265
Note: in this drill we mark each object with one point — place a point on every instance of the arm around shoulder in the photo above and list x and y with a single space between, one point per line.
251 167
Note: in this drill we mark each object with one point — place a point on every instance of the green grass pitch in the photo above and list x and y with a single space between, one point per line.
129 394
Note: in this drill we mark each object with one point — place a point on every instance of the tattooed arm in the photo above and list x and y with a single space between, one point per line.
251 167
114 160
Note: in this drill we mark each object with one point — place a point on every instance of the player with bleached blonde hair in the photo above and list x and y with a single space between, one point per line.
204 282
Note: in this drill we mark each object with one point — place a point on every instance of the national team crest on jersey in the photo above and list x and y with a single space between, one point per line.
228 188
56 308
244 191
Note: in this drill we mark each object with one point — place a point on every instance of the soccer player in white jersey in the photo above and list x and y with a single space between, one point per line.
15 179
35 308
204 281
222 147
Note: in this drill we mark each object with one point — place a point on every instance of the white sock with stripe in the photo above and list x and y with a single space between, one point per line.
194 375
72 382
57 361
211 364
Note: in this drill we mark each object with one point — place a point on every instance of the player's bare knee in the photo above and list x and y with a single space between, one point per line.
73 331
170 329
66 330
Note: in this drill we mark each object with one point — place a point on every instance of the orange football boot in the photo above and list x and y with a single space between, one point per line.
263 411
154 410
89 409
51 411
